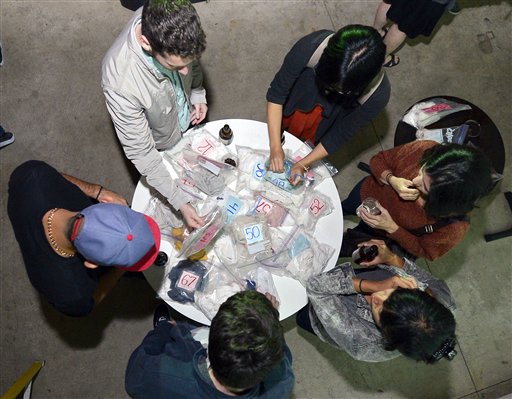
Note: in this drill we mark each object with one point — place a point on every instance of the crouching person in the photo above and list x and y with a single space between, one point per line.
376 314
246 355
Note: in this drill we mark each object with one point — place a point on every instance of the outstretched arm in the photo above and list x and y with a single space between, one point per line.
96 191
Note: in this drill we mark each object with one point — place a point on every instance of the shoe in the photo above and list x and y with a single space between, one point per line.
394 61
6 138
161 314
455 10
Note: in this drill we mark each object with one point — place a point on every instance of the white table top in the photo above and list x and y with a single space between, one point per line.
329 229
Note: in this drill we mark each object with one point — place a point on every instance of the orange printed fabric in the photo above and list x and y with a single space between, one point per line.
303 125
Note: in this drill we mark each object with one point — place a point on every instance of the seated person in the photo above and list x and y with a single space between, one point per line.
247 356
379 313
424 191
67 239
330 85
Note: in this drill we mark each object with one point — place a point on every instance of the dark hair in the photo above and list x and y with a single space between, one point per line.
173 27
417 325
353 57
246 340
460 176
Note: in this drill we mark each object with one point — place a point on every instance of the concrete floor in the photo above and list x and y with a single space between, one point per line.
51 99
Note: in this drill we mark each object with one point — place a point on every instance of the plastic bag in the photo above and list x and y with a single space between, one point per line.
320 170
252 237
282 180
203 237
273 212
260 279
219 285
186 278
315 206
233 204
251 168
164 215
425 113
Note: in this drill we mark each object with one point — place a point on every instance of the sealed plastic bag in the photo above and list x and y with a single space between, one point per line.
219 285
203 237
315 206
164 215
282 179
251 167
274 213
425 113
252 237
186 278
260 279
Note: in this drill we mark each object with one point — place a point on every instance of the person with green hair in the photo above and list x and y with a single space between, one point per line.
329 86
424 192
245 357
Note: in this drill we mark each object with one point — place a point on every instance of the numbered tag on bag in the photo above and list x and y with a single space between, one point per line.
203 146
232 207
263 206
317 207
188 281
259 171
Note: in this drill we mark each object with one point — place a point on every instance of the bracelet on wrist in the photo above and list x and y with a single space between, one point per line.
99 192
388 176
360 282
306 168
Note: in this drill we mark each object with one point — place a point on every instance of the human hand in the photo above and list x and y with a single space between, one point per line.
198 113
384 256
404 188
276 161
383 221
296 174
192 219
273 300
108 196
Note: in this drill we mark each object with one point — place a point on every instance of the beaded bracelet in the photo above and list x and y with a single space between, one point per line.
306 169
99 192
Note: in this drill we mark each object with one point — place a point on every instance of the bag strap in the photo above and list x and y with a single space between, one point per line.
430 228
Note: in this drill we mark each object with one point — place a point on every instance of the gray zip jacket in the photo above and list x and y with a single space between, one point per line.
343 318
142 104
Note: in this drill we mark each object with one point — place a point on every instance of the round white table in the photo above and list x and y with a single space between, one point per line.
329 229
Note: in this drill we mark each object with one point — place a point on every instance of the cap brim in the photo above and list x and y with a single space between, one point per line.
148 259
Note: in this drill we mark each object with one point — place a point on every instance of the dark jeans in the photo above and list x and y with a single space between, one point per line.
353 200
303 320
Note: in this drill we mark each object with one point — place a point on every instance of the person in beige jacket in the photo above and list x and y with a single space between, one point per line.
152 82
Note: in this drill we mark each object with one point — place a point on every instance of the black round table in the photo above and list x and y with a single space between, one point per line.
489 140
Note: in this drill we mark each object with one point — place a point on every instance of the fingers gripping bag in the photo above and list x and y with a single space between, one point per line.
320 170
164 215
260 279
314 207
233 204
282 179
219 285
186 278
251 168
203 237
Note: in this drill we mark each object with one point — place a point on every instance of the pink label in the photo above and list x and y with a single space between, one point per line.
436 108
317 206
263 206
205 239
188 183
188 281
204 146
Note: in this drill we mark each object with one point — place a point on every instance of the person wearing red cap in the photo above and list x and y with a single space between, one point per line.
76 238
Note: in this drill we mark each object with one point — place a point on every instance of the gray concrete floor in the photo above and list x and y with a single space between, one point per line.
51 98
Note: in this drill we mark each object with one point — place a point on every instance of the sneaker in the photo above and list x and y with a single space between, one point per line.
455 10
6 138
161 314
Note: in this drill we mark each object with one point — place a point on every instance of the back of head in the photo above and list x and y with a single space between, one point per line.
418 326
459 174
173 27
246 340
352 59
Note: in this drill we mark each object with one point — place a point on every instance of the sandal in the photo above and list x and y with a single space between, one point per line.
394 61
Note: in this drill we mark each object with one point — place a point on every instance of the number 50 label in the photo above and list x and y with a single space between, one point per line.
253 234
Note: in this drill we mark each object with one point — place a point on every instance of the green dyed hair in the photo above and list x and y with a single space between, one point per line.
459 174
246 340
352 59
